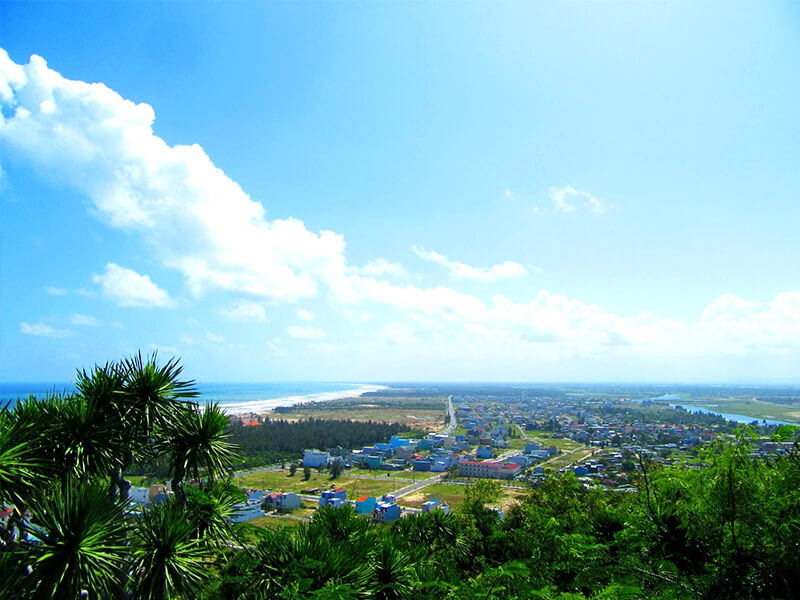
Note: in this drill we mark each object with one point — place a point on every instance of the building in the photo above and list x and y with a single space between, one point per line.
488 469
484 452
374 461
386 510
435 504
334 498
315 459
282 501
365 505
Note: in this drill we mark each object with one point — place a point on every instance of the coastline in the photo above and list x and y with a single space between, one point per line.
263 406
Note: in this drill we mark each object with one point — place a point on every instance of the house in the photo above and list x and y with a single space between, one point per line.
374 461
484 452
520 460
157 494
365 505
422 464
531 447
315 459
404 452
138 495
334 498
435 504
282 501
386 510
246 512
397 442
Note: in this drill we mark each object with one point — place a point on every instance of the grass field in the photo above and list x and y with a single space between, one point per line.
367 410
758 409
452 494
280 481
273 522
565 460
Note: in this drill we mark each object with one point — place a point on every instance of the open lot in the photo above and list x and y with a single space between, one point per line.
413 412
280 481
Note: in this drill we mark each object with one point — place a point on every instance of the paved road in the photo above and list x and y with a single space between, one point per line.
410 489
453 421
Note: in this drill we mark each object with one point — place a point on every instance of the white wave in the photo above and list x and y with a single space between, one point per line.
259 406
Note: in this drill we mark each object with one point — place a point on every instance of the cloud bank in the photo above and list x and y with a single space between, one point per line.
199 223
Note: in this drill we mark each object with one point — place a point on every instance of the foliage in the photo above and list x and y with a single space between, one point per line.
727 528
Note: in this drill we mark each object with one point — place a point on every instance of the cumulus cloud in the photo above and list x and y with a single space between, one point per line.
42 329
568 200
196 218
245 311
55 291
84 321
305 332
128 288
200 223
380 267
305 315
464 271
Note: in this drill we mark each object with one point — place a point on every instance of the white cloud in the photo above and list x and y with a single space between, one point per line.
305 315
304 332
399 333
568 200
128 288
55 291
464 271
84 321
196 218
245 311
41 329
214 338
380 267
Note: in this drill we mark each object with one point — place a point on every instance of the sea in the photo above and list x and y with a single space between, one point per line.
235 398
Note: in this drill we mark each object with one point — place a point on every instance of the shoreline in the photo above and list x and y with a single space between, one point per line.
261 407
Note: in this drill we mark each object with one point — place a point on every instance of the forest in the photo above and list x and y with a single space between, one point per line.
279 440
730 529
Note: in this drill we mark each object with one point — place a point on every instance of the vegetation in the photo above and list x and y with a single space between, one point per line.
277 440
61 463
730 529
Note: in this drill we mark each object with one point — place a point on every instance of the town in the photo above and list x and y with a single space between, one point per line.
518 439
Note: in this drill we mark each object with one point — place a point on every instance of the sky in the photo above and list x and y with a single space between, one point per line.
402 191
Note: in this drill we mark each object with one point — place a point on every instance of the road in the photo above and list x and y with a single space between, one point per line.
453 421
410 489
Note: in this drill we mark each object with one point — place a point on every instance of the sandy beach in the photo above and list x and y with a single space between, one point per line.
261 407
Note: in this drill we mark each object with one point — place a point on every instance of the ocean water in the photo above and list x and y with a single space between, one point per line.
234 397
732 416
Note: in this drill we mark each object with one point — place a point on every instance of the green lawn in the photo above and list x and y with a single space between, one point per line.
280 481
452 494
546 440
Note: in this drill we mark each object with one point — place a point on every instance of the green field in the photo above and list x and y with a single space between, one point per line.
280 481
757 409
452 494
408 411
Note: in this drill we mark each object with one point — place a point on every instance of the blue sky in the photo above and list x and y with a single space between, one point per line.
505 191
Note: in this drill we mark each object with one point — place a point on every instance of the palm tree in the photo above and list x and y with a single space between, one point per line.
392 572
81 542
169 561
198 439
150 396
